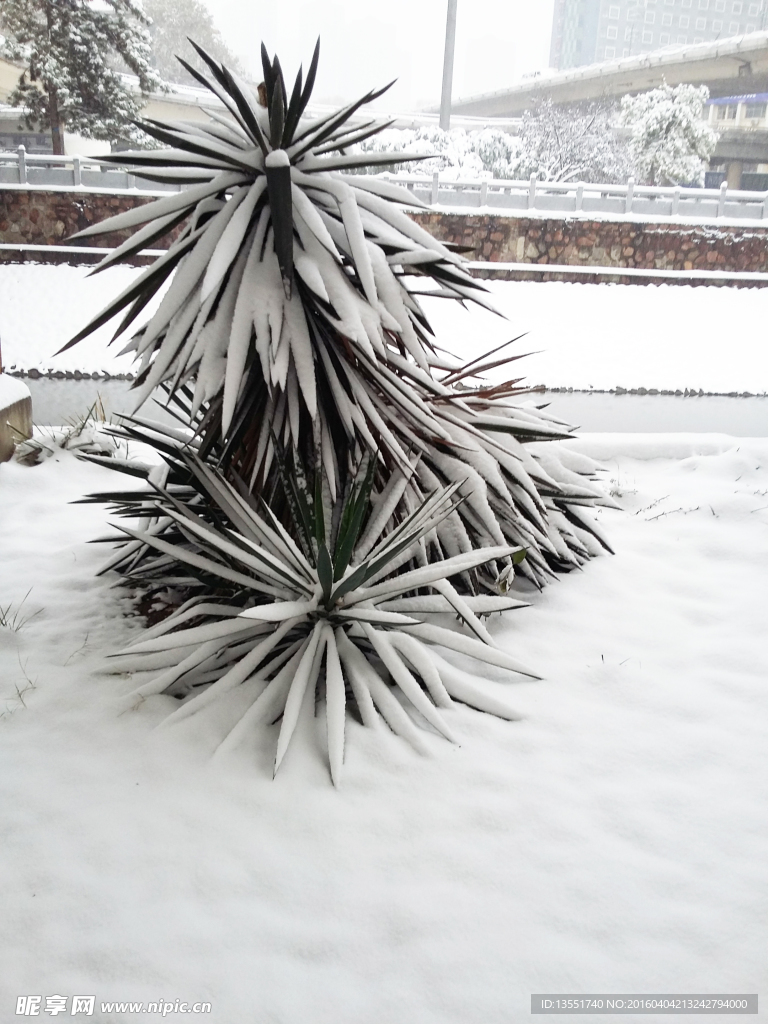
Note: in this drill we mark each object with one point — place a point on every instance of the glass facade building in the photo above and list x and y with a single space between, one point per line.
590 31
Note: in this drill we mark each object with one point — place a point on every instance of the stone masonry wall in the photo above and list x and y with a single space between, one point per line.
39 217
620 244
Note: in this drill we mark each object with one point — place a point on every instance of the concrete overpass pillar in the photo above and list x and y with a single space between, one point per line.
733 173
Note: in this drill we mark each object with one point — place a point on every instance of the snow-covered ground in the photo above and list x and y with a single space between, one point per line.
604 336
585 336
613 839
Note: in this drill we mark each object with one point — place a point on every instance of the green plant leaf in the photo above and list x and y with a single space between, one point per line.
325 572
352 521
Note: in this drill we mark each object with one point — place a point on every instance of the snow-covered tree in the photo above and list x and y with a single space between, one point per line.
669 140
555 143
70 50
173 24
561 143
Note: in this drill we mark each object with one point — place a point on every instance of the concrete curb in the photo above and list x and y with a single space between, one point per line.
15 415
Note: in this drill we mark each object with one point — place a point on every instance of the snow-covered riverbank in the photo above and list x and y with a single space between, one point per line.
613 839
585 336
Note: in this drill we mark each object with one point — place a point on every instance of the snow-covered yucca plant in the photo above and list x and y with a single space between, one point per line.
286 306
338 615
292 314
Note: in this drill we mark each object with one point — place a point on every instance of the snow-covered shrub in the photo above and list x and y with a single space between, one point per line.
451 153
289 315
499 152
84 435
555 143
455 154
670 141
291 341
562 143
332 614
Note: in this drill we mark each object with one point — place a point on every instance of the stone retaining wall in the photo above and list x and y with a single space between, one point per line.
39 217
619 244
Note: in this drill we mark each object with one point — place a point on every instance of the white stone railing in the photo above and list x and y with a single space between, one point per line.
46 171
581 198
74 172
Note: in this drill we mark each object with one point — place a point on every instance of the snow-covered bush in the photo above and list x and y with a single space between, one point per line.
291 341
329 613
86 434
500 153
455 154
670 141
561 143
555 143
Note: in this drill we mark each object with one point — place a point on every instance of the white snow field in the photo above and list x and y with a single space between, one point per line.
586 336
604 335
613 839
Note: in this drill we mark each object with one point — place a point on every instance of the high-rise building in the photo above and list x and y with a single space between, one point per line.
574 33
589 31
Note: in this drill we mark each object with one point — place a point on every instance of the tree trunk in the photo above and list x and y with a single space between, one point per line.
57 129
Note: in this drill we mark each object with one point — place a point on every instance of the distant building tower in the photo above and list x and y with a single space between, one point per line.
574 33
590 31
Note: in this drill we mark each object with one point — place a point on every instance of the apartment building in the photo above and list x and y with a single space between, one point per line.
590 31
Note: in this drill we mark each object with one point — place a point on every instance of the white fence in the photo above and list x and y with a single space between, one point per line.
21 168
46 170
580 198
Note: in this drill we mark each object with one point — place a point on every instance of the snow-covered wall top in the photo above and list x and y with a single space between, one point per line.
11 391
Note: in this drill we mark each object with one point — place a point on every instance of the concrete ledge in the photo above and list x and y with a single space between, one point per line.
15 414
75 255
616 275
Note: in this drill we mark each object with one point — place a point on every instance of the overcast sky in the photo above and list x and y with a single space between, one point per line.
368 42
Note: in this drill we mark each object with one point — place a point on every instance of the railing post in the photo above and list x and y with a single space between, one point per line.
721 200
131 181
484 194
675 202
77 174
630 196
435 187
532 193
580 196
22 166
764 214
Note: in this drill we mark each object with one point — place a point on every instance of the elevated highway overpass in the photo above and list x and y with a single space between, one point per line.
729 67
734 67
